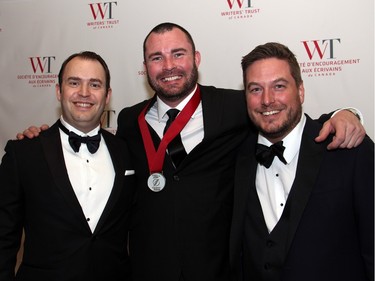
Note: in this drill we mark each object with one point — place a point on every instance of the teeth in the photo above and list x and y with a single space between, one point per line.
81 104
270 112
171 78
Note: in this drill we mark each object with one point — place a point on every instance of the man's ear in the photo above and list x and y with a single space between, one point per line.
57 90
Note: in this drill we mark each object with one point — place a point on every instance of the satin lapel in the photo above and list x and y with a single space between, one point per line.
53 153
245 196
118 184
254 207
310 157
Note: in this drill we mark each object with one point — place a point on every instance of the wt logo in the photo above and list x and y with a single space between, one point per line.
320 48
239 3
102 10
41 63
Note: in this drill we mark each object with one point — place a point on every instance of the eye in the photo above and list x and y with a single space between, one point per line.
280 86
178 55
73 83
255 89
156 58
96 85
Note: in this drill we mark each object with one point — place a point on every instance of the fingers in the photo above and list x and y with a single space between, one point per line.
44 127
354 136
31 132
20 136
348 130
324 132
359 140
347 137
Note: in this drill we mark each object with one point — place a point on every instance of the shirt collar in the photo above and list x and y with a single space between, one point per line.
162 107
93 132
291 142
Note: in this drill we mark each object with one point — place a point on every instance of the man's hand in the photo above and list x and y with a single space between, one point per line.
347 128
32 132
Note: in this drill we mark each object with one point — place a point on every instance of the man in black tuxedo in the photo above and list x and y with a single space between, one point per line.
182 216
70 189
301 212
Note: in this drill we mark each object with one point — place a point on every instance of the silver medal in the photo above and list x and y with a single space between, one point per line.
156 182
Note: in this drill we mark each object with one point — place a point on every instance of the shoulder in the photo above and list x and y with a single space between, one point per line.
111 139
26 143
312 129
127 120
133 110
231 99
222 91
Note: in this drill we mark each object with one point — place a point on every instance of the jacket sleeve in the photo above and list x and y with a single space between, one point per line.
11 213
363 191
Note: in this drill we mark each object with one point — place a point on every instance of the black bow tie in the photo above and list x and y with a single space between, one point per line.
76 140
265 154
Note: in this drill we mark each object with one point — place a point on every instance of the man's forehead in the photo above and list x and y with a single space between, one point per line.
168 40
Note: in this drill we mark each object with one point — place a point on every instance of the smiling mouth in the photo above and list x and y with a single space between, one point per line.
83 104
268 113
171 78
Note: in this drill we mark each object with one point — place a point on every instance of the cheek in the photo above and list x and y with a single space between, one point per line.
251 102
151 70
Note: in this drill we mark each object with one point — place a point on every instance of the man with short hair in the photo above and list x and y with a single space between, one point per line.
70 189
185 173
301 212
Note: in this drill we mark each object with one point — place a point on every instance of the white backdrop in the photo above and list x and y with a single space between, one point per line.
333 41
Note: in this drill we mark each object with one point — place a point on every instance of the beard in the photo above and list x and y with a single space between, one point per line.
279 132
172 93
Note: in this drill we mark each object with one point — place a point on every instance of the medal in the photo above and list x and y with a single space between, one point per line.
155 157
156 182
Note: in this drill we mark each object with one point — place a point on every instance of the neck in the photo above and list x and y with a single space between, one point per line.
175 100
172 102
82 128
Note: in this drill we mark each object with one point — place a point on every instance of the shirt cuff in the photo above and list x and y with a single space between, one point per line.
353 110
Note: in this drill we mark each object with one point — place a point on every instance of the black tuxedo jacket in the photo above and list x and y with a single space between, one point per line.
184 229
36 195
326 231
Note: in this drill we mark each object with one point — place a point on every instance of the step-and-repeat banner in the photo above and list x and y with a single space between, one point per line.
333 41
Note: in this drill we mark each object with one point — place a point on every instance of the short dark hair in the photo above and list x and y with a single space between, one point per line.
87 55
164 27
273 50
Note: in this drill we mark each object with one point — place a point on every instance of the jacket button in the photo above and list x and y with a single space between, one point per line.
176 178
270 244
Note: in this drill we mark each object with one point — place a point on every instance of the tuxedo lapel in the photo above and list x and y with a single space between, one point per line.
118 184
245 193
254 208
310 157
53 153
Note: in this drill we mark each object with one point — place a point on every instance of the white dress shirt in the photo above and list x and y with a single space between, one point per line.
91 175
273 184
191 135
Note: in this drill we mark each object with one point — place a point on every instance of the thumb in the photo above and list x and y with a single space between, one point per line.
324 132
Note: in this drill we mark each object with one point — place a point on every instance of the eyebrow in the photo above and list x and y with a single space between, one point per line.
173 51
80 79
280 80
273 82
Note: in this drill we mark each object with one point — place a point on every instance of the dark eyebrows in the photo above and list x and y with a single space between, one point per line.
251 84
281 80
173 52
74 78
179 50
278 80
